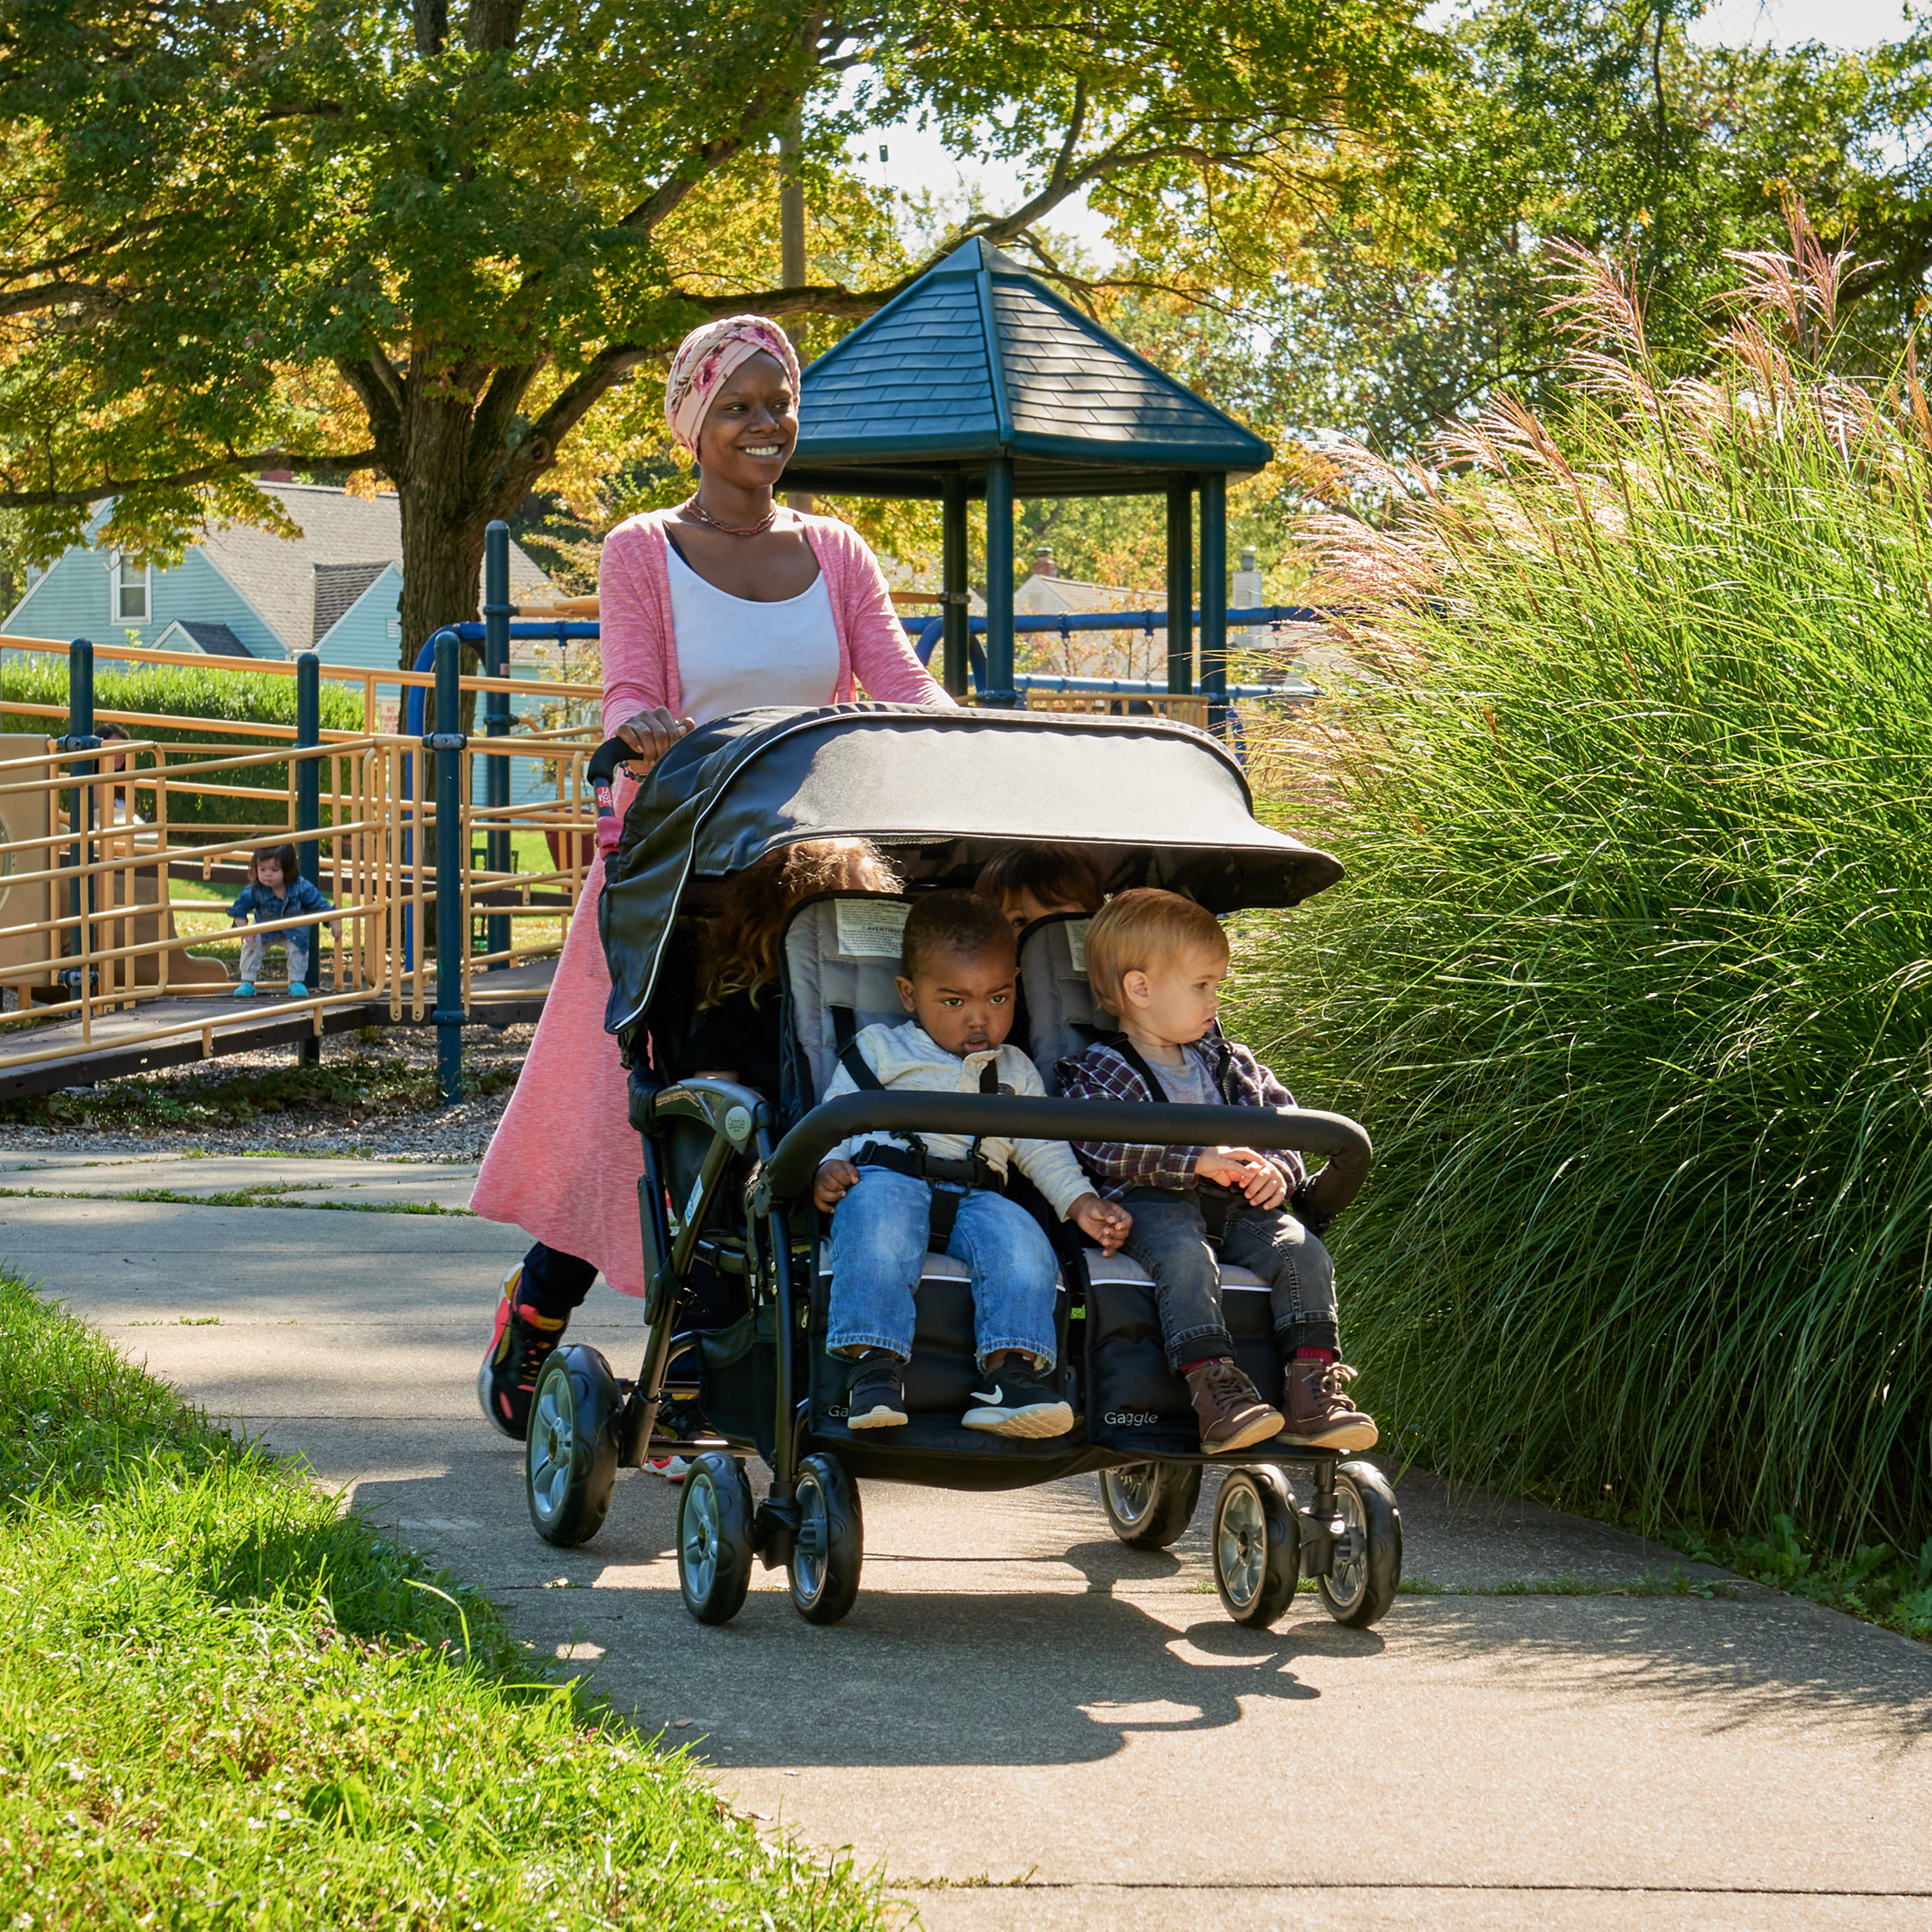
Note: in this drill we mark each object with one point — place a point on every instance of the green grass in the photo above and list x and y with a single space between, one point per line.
356 1086
223 1703
1629 976
1873 1581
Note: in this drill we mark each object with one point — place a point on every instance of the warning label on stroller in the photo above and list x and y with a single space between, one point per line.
870 929
1076 943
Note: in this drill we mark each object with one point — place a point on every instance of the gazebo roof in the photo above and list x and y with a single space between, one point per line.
978 360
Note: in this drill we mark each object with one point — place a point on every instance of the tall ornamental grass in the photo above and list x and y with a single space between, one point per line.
1629 977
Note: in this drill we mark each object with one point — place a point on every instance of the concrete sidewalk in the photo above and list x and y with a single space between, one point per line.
1033 1726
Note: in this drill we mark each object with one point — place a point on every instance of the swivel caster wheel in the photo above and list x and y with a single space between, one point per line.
1361 1585
1257 1546
1149 1504
829 1545
570 1453
714 1538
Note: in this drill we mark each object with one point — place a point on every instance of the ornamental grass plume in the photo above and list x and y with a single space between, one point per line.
1629 979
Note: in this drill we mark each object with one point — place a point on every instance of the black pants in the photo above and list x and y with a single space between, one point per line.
554 1285
1170 1241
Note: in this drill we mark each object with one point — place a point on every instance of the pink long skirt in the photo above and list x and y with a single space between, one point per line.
565 1162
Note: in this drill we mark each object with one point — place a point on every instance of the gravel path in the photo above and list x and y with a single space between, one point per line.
385 1129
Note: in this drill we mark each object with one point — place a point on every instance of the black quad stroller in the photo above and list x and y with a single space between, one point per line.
733 1249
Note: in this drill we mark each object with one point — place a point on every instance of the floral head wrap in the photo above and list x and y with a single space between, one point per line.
707 357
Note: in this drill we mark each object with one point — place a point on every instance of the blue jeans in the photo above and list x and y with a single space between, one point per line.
1170 1240
879 1240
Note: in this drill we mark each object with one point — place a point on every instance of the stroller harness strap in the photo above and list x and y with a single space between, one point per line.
1215 1198
950 1180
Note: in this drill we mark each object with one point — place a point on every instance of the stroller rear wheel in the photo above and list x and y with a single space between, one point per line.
1149 1504
570 1453
714 1538
1257 1546
1360 1587
830 1544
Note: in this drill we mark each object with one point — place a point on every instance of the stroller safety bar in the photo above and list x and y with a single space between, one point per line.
794 1161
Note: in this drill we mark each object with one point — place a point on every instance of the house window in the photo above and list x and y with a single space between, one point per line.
132 583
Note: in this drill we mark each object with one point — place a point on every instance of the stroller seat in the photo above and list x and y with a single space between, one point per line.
1136 1400
840 962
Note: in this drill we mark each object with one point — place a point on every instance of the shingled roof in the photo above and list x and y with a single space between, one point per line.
282 577
336 587
978 360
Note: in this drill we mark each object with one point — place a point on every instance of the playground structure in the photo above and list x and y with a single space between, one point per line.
95 841
98 968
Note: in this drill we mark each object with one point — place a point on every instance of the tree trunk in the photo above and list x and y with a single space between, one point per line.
443 521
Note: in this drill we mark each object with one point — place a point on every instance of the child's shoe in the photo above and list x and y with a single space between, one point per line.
297 990
246 990
1232 1415
1315 1394
876 1399
506 1384
672 1469
1016 1401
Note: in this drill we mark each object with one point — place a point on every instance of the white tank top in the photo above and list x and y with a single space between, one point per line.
732 654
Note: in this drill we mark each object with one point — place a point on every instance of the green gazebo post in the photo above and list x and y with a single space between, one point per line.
979 381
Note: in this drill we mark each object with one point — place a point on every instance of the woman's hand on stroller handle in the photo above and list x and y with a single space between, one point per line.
651 733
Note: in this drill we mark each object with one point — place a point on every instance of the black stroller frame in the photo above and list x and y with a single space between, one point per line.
726 1216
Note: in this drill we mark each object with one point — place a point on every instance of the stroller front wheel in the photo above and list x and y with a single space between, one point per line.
829 1545
1149 1504
570 1453
1257 1546
714 1538
1361 1586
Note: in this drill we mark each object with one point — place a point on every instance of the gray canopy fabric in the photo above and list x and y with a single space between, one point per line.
1153 803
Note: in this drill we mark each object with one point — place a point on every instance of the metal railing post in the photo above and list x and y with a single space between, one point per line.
999 686
308 818
1180 585
451 937
1214 598
80 811
496 715
953 586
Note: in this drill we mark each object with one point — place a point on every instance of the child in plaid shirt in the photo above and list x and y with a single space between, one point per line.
1156 962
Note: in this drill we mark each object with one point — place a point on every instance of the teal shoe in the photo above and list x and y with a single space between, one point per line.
246 990
297 990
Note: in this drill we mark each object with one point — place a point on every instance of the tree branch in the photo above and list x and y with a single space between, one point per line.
92 296
181 479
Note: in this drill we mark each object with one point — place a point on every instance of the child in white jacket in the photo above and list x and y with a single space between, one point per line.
957 976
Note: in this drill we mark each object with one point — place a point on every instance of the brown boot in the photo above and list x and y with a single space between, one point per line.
1232 1415
1319 1411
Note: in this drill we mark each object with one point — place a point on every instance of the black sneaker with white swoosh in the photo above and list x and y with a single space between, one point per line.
1013 1400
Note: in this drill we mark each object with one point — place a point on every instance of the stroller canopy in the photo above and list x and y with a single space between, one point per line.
1153 803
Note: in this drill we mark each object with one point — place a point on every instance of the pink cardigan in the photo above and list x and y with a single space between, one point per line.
641 650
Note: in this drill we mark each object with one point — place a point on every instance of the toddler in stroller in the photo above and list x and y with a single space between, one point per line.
894 1197
1156 962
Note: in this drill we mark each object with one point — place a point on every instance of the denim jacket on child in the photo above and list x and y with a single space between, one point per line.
300 898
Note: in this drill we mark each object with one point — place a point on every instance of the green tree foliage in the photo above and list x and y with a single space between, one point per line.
1628 977
432 239
1599 123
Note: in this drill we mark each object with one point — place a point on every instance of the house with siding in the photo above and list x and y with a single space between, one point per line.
240 591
